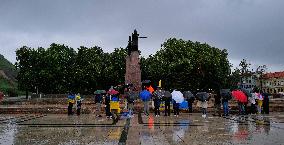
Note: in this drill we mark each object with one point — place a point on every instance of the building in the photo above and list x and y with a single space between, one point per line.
273 82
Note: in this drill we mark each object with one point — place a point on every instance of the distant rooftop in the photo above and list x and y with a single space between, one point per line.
274 75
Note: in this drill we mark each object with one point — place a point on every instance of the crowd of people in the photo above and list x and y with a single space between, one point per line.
248 102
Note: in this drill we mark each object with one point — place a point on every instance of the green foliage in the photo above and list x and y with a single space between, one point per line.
187 65
179 64
60 69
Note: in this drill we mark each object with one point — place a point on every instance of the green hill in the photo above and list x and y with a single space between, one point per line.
8 74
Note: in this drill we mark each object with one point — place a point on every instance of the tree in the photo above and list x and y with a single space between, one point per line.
187 65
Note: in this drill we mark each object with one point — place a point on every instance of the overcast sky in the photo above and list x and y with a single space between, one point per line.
250 29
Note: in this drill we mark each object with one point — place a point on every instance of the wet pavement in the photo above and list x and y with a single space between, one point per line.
186 129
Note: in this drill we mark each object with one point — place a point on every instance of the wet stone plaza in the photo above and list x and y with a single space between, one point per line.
189 129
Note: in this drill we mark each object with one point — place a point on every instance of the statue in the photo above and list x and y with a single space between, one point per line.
133 44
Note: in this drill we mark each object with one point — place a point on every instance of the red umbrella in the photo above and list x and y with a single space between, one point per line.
240 96
112 92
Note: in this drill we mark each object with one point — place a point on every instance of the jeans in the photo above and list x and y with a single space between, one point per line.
146 107
226 108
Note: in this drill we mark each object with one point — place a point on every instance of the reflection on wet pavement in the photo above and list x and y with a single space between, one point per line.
185 129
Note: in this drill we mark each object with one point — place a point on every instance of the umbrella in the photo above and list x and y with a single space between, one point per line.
112 92
202 96
239 96
248 94
225 93
150 89
145 95
146 81
177 96
71 97
188 95
97 92
167 94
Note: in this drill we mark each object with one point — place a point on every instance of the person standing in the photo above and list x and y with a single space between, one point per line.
167 99
78 104
130 96
265 103
98 102
252 103
157 96
145 96
217 104
259 102
176 108
107 106
71 101
204 105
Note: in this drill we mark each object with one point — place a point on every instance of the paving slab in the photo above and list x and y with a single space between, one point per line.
190 129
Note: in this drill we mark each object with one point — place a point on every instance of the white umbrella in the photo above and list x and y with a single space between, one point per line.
177 96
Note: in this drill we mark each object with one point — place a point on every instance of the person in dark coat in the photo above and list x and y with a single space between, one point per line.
78 104
157 96
190 102
107 106
98 102
167 100
217 104
176 108
265 103
71 101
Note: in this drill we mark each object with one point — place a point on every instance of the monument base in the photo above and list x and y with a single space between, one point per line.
133 71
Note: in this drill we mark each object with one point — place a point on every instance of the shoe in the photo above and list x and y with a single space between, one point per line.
177 115
174 115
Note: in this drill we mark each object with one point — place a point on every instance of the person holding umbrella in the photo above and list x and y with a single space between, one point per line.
130 96
203 97
98 102
145 96
226 96
167 98
71 101
177 99
242 99
157 96
190 99
265 103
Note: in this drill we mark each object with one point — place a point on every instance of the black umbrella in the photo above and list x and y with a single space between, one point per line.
248 94
202 96
188 95
146 81
167 94
225 93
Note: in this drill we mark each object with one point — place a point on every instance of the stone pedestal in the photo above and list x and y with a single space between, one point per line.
133 71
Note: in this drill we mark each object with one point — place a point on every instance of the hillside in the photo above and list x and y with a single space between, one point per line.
8 73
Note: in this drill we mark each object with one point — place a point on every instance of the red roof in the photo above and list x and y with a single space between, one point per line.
274 75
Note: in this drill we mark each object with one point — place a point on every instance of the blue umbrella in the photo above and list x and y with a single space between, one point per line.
71 97
145 95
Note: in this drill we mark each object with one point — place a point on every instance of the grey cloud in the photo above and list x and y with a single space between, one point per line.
251 29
